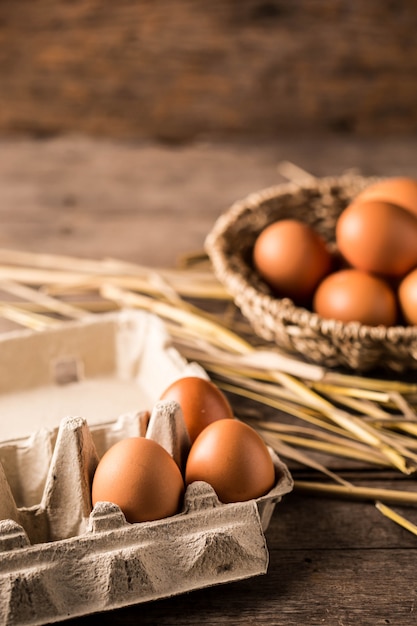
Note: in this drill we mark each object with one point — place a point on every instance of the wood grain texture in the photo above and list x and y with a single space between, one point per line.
181 70
151 204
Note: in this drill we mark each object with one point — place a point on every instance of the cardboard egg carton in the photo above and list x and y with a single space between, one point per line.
61 558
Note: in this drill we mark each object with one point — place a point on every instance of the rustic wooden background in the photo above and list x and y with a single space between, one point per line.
177 70
152 204
92 92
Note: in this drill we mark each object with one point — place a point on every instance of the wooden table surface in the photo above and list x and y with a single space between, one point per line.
332 562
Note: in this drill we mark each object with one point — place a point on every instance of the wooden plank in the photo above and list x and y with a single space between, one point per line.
78 196
178 70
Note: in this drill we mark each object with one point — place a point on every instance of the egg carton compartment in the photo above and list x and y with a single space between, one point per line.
61 558
100 368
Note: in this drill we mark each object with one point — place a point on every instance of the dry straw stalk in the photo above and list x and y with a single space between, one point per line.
367 420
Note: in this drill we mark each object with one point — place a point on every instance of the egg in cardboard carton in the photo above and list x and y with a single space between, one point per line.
59 556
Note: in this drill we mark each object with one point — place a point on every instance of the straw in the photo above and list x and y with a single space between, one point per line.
365 419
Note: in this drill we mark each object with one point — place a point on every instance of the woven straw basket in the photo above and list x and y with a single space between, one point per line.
331 343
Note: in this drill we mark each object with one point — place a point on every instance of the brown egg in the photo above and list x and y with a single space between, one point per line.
399 190
378 237
140 477
292 258
233 459
201 401
353 295
407 296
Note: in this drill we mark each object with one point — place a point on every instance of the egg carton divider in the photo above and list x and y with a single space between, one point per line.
93 560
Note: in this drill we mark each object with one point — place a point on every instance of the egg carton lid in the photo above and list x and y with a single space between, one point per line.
61 558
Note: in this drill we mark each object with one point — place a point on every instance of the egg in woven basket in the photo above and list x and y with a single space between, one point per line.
318 202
